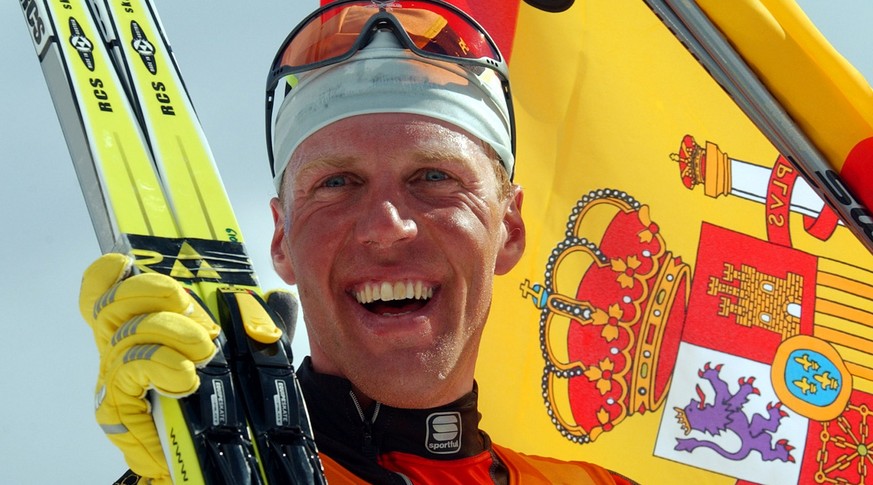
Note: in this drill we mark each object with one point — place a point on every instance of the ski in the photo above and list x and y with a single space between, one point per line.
152 189
708 45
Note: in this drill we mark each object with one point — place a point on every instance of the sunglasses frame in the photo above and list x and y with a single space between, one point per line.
382 20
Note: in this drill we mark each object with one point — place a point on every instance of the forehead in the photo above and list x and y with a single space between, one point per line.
385 136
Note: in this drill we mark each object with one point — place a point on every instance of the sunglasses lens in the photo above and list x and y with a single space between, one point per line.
428 28
432 28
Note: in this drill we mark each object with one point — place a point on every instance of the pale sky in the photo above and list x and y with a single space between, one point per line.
47 357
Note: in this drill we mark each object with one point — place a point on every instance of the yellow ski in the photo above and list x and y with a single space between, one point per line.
152 189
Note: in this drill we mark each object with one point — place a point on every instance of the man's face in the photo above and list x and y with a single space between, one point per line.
407 208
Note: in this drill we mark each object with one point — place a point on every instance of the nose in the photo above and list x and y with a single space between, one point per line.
382 224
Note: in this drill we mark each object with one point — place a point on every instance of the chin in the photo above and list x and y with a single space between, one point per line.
421 383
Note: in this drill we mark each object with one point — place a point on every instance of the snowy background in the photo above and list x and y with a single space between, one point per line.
47 355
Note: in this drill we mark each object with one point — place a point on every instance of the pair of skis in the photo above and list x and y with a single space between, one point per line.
715 53
152 190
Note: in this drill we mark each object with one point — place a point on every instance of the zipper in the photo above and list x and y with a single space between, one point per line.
369 447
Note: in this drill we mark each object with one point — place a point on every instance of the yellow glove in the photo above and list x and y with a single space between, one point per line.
151 334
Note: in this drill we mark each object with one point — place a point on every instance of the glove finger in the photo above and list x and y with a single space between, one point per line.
172 330
144 367
137 437
140 460
124 413
147 293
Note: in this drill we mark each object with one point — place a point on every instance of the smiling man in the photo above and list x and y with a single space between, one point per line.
393 156
392 226
392 150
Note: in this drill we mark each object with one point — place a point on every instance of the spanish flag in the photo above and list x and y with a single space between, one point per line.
689 309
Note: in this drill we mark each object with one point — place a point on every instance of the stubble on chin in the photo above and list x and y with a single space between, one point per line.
425 379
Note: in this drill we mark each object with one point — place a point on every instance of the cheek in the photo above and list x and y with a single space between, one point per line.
309 246
483 229
470 241
308 254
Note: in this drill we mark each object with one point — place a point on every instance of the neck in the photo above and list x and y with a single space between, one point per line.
415 390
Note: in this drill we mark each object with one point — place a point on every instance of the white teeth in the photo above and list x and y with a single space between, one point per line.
398 290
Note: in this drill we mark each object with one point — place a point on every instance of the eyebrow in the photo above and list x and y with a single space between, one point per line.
421 157
321 163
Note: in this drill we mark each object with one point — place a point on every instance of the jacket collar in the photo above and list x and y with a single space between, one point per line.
342 427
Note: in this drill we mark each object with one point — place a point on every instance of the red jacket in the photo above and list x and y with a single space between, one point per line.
443 445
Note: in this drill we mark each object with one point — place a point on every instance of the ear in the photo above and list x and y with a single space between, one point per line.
278 249
513 246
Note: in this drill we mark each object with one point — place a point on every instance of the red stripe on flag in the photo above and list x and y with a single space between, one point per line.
857 172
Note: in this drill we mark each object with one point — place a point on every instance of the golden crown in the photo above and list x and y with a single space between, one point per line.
610 320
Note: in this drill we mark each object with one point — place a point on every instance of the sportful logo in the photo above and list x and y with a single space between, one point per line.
443 433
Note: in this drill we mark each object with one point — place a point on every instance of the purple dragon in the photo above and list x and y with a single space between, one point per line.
726 414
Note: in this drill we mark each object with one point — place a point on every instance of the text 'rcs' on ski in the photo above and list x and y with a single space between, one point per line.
163 98
101 95
34 20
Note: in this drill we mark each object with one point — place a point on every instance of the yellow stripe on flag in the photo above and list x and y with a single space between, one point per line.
665 274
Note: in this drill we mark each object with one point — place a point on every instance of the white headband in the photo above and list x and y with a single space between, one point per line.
386 78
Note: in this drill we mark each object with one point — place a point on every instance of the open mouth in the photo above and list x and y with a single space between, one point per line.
394 298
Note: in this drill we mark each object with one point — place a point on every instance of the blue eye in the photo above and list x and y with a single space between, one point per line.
435 175
334 181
